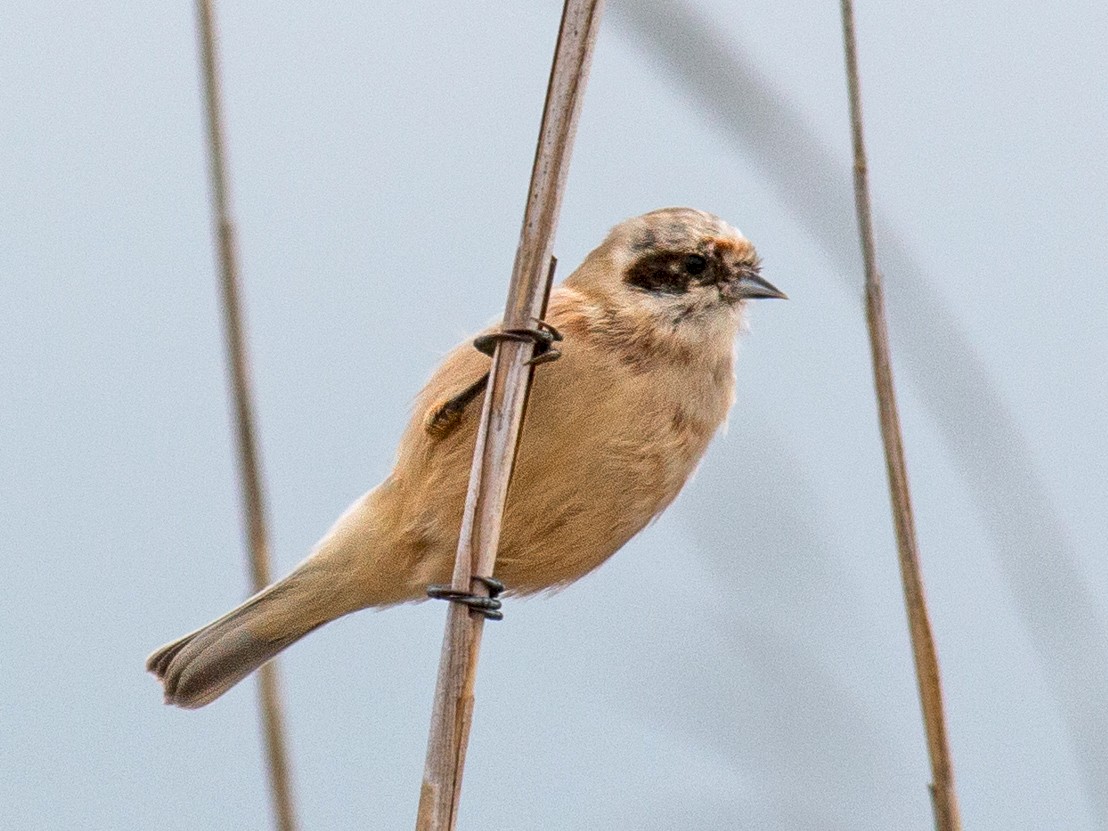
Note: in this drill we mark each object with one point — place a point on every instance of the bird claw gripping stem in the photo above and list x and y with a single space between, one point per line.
487 607
543 335
442 419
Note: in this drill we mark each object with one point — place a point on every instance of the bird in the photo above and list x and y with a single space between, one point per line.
613 430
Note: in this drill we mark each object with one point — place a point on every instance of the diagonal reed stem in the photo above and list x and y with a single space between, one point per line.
249 475
944 799
502 418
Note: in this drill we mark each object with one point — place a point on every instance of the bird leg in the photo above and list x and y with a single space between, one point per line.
543 335
443 418
488 606
440 421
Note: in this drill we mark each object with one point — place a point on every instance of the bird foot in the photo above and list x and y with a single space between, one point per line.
487 606
542 334
441 419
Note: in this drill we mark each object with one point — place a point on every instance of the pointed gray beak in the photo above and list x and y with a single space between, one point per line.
751 287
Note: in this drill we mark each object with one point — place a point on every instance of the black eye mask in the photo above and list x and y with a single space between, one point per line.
671 272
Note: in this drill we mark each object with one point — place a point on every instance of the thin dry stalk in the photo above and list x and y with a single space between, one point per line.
502 417
944 798
249 476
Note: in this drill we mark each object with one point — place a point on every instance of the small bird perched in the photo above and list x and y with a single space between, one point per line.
612 432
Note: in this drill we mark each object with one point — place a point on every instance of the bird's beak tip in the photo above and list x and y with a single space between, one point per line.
753 287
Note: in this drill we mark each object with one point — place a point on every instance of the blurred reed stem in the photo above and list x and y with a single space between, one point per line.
269 694
944 798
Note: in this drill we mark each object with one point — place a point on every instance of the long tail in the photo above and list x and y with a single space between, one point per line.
201 666
345 573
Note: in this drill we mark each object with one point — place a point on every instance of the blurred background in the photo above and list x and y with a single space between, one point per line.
744 663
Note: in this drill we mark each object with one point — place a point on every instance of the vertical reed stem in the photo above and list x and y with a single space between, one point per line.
502 417
944 798
249 475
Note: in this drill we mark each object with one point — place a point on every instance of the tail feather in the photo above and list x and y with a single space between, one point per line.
201 666
343 574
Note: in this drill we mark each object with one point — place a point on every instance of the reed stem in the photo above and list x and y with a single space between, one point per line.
253 499
944 798
502 418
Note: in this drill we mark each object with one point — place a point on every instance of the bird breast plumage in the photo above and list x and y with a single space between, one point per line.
612 432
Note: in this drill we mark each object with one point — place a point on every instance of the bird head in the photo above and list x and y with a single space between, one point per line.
682 269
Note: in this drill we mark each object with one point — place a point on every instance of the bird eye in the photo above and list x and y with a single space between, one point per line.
695 264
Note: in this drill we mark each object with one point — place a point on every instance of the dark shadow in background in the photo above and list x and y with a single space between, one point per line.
1035 556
